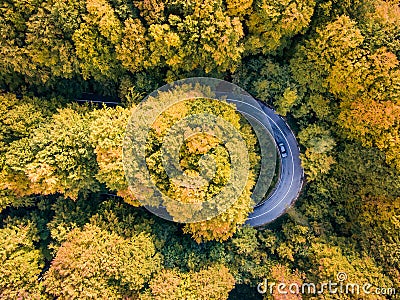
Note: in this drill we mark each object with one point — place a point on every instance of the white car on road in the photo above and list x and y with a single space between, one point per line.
282 149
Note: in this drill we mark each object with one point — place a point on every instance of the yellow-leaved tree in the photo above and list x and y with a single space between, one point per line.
107 131
221 226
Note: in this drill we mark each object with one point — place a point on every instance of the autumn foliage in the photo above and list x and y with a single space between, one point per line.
70 228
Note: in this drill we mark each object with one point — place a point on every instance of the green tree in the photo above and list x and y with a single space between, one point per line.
314 60
273 23
224 225
183 38
21 262
348 68
268 80
106 135
56 158
49 39
214 282
329 260
19 119
319 144
132 51
239 7
95 40
14 61
286 101
380 25
67 216
100 264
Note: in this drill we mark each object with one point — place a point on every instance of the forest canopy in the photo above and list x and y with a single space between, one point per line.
70 226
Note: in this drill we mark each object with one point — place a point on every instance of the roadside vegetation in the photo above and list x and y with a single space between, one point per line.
330 67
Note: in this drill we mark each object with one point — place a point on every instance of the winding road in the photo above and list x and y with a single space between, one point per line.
291 174
291 178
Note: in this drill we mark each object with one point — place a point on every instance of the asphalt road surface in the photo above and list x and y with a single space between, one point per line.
291 178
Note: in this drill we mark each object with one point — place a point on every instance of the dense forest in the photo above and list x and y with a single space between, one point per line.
71 229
